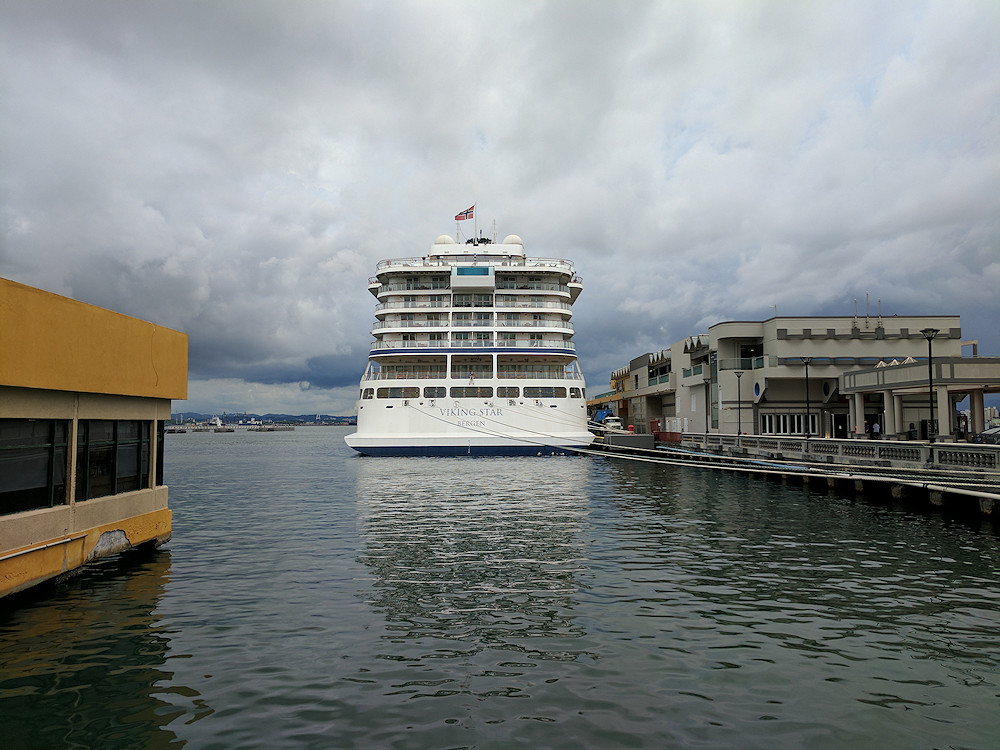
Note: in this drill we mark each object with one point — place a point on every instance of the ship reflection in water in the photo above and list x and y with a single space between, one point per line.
480 565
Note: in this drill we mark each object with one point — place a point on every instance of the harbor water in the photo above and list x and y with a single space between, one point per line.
311 598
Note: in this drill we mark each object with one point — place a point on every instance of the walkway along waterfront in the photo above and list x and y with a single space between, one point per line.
957 478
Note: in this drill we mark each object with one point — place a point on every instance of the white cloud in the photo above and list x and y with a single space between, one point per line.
235 170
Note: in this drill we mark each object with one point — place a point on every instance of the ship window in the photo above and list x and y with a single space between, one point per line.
397 392
32 464
471 391
368 393
472 271
508 391
575 393
547 391
435 391
461 336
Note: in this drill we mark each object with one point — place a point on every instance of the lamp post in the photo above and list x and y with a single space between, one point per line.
739 403
806 361
929 334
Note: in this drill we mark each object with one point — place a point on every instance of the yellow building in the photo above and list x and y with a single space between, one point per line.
84 394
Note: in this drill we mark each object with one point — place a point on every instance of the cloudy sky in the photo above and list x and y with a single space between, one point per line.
235 170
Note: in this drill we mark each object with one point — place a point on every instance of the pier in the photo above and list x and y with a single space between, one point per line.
953 478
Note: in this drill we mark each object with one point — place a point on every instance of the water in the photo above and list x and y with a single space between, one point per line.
310 598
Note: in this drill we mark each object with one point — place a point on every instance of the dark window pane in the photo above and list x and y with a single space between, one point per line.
144 465
159 453
18 433
82 473
101 431
128 468
100 476
24 479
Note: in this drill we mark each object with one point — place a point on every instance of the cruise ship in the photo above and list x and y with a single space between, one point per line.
473 355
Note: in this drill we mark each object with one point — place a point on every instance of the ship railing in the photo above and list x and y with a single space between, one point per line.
543 305
466 375
411 324
407 375
530 285
414 288
535 324
470 343
445 261
410 305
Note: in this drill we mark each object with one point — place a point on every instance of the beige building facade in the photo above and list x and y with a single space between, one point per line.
818 376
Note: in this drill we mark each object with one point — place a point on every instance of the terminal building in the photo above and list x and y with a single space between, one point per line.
833 377
84 395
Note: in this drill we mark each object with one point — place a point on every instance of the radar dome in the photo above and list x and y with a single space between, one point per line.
512 239
444 239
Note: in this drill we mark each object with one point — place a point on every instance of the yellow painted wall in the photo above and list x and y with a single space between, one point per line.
32 564
53 342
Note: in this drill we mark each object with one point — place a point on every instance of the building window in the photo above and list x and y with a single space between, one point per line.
787 424
111 457
159 452
32 463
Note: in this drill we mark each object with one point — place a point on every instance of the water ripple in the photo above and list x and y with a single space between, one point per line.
310 598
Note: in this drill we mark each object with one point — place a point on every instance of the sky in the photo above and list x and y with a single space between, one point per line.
235 170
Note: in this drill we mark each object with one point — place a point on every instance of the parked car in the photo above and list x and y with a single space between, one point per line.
989 437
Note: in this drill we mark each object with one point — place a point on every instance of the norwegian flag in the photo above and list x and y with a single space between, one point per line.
466 214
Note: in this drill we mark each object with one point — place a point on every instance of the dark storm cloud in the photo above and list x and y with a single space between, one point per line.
236 169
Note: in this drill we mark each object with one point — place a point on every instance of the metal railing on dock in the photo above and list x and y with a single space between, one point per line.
948 476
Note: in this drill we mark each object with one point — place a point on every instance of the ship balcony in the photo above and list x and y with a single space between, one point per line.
390 346
412 305
429 286
402 325
523 304
464 375
529 286
513 262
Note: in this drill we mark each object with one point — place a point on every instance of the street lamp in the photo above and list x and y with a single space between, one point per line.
929 334
806 361
739 403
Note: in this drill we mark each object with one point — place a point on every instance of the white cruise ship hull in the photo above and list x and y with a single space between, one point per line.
461 427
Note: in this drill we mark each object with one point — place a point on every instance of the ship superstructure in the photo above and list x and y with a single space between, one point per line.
472 354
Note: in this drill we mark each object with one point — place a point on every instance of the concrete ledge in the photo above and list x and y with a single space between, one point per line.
632 440
41 560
